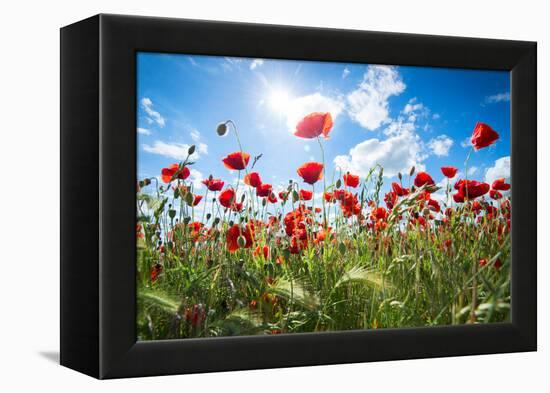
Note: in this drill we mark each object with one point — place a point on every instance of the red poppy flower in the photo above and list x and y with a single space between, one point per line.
261 251
500 184
155 272
313 125
197 199
272 198
306 195
213 184
400 191
449 171
351 180
434 205
168 173
227 197
483 136
233 235
236 161
253 179
237 206
264 190
283 195
423 178
329 197
379 213
296 245
390 198
311 172
471 189
495 194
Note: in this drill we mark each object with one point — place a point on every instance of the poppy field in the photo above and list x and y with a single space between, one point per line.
260 259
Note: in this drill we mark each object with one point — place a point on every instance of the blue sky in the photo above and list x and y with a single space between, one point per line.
394 116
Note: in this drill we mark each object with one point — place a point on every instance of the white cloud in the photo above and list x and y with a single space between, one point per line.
202 148
256 63
316 102
195 135
440 145
153 116
176 151
500 97
412 106
143 131
196 178
500 169
472 171
307 148
436 116
398 153
466 142
345 73
368 104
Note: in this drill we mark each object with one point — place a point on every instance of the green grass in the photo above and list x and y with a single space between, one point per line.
369 274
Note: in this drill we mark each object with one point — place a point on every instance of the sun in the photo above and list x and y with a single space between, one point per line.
279 100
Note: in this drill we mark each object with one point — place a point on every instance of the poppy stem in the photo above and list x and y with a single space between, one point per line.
324 184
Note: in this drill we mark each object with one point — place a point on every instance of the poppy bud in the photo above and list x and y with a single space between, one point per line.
141 183
264 202
208 215
222 129
189 199
412 171
241 241
216 221
172 213
400 176
191 150
186 220
338 183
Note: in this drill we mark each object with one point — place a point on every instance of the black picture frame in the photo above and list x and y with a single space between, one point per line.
98 184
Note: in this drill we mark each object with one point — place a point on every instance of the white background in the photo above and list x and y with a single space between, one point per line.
29 208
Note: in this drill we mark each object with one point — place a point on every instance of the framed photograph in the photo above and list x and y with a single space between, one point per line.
239 196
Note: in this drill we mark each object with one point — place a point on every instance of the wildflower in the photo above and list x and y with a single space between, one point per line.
236 161
483 136
329 197
314 125
500 185
423 178
155 272
227 197
494 194
236 232
351 180
471 189
390 198
272 198
400 191
253 179
213 184
434 205
305 195
283 196
197 199
449 171
168 173
261 251
311 172
264 190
